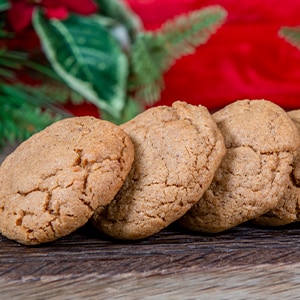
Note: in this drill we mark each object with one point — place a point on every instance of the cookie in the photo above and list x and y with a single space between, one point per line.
52 183
288 208
177 150
261 142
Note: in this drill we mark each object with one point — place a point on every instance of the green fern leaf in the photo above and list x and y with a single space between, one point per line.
291 35
153 53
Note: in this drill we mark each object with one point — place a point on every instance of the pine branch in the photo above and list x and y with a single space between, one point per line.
147 55
291 35
50 87
54 92
20 117
11 59
183 35
25 109
153 53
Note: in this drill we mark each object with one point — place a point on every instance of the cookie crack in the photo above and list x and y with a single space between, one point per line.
87 167
84 194
120 158
25 194
29 231
53 174
297 209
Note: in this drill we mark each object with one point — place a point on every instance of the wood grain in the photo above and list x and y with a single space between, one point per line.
243 263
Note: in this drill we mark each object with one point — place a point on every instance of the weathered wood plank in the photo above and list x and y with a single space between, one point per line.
244 261
86 251
261 282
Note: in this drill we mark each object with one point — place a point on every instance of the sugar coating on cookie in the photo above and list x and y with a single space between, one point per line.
177 150
261 142
52 183
288 208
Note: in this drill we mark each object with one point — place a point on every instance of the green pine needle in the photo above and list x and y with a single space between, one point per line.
153 53
20 117
147 55
25 109
55 92
186 33
291 35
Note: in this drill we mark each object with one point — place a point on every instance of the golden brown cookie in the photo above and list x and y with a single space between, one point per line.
52 183
177 150
288 208
261 143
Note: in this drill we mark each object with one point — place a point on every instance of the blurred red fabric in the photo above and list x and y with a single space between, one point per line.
246 58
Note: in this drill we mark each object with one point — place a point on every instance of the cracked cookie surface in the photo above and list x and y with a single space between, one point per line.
177 150
261 143
288 208
52 183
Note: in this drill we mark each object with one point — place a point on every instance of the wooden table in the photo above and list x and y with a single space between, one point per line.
243 263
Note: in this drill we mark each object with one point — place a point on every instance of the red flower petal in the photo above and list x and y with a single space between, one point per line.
20 14
82 7
59 13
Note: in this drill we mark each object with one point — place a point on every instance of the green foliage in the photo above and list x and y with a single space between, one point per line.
57 92
27 109
105 58
153 53
4 5
23 114
183 35
291 34
148 57
131 109
87 58
119 12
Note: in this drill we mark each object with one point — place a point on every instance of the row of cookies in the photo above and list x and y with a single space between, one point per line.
217 176
179 163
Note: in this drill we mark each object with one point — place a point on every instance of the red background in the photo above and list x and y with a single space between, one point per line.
246 58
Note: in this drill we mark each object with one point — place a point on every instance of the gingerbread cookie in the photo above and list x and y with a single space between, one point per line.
261 143
52 183
288 208
177 150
